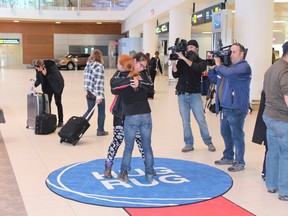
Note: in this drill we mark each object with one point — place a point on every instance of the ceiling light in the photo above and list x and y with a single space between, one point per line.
98 23
16 21
57 22
279 21
206 32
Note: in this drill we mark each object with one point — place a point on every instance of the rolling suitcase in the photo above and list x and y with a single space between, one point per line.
74 129
37 104
45 123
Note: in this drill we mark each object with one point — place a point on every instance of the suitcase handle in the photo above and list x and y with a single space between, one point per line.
90 113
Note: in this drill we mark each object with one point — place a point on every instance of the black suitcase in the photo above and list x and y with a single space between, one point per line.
74 129
45 123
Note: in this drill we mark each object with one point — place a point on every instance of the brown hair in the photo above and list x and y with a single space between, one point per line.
96 55
39 63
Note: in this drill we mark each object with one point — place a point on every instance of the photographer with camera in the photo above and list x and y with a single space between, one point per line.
188 69
232 101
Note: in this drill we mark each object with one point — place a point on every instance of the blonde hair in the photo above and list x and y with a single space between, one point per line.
96 55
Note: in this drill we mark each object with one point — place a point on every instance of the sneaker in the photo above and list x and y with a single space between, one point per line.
123 176
60 124
283 198
211 147
236 167
272 190
102 133
107 170
223 161
149 177
187 149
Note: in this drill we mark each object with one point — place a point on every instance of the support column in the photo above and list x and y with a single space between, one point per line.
254 29
179 26
150 38
134 34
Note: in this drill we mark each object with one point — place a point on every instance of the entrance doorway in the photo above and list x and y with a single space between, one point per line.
10 56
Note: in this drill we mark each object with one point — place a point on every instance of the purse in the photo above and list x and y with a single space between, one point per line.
90 96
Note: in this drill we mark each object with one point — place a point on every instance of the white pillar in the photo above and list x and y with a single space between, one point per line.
134 34
179 26
253 28
150 38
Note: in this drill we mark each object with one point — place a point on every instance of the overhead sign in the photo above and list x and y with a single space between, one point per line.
9 41
205 15
164 28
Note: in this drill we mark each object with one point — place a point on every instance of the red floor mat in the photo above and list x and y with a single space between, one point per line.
218 206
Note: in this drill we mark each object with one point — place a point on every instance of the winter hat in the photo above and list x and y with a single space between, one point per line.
195 43
285 47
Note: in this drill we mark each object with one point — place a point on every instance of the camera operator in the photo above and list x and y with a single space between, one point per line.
188 69
232 100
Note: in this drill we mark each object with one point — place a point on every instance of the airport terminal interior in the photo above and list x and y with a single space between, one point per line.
27 159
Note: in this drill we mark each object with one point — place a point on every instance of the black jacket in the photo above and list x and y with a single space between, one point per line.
189 77
133 102
259 134
53 80
153 64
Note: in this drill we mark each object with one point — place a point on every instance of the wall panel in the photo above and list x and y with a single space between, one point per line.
38 37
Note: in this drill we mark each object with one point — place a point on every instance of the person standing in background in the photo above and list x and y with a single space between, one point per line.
275 117
154 65
94 87
52 82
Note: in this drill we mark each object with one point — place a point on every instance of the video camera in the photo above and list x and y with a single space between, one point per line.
223 53
179 46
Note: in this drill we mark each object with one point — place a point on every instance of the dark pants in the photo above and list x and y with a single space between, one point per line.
58 102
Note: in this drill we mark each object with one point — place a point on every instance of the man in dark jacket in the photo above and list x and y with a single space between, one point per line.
52 82
189 70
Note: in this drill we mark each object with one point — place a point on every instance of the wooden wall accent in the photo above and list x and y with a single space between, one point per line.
38 37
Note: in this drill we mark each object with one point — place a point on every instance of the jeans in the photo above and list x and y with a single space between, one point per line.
277 155
101 113
231 124
193 102
143 123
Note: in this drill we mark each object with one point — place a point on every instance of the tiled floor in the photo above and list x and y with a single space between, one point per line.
33 157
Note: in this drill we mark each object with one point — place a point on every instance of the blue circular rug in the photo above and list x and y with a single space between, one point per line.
177 182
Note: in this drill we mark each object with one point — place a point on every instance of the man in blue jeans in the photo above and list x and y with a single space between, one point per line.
188 69
232 100
275 117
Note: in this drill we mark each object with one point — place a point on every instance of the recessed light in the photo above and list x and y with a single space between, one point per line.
57 22
16 21
98 23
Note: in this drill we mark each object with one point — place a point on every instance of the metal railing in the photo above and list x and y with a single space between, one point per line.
67 4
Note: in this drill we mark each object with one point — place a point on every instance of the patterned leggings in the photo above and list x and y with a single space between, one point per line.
118 137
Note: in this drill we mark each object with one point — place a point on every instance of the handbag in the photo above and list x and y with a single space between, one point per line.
90 96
